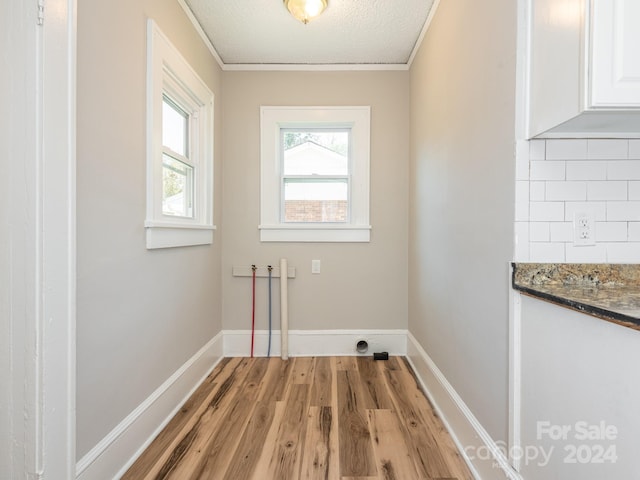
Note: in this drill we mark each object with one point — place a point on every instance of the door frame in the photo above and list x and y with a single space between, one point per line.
38 239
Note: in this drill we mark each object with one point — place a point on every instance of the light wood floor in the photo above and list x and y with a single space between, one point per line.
331 418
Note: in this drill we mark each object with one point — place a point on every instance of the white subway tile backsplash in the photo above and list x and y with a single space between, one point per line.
623 252
539 231
546 211
541 170
611 231
598 209
586 170
537 191
623 211
603 190
566 149
522 191
607 149
623 170
546 252
522 201
562 177
522 211
521 253
566 191
586 254
537 150
522 162
561 231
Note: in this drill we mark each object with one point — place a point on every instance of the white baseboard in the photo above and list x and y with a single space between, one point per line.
306 343
485 457
116 452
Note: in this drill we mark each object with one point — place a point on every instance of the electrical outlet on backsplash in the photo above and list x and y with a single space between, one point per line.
563 181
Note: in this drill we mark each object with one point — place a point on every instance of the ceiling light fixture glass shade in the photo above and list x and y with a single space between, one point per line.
305 10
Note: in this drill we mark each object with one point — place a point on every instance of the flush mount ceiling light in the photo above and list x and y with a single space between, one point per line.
305 10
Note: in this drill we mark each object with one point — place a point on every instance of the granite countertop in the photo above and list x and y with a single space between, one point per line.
607 291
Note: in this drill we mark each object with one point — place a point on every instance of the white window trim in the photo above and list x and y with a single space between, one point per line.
272 119
169 72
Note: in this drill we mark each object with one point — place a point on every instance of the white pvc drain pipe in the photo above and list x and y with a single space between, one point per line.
284 310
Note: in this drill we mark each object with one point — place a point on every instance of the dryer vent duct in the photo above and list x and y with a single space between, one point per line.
362 346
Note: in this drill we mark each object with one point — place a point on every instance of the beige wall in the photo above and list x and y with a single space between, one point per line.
462 199
361 285
141 314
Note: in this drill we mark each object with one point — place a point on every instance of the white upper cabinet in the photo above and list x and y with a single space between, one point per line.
615 63
584 68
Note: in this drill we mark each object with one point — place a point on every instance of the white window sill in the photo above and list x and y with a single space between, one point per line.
169 235
315 233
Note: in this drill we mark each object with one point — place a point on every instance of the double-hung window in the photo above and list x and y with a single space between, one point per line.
177 167
315 174
179 150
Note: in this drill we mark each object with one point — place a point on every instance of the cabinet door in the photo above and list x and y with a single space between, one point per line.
615 63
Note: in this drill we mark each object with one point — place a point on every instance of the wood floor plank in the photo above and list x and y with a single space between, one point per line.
222 447
346 363
322 386
276 380
359 478
356 450
391 451
334 439
288 448
250 447
302 372
262 466
375 393
318 454
392 364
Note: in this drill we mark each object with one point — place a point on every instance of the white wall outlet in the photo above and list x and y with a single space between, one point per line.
315 266
584 233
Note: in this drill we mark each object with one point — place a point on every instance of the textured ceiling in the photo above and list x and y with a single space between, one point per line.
348 32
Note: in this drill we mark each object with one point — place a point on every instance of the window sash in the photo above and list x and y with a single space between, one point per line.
312 129
322 206
188 192
189 158
186 131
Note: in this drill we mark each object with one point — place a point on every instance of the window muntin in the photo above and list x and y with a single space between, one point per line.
315 175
